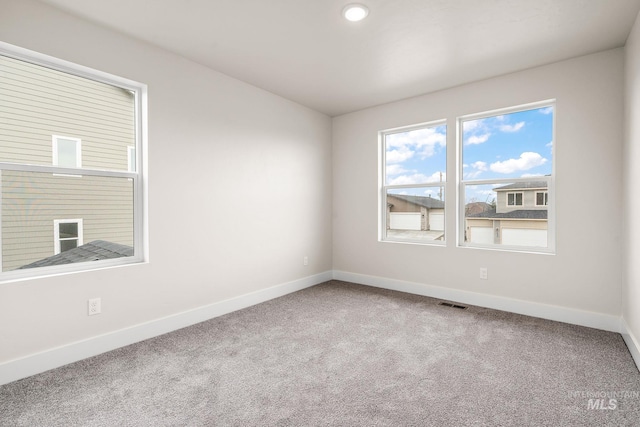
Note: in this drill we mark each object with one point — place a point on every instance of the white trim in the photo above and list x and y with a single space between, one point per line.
53 358
590 319
632 342
131 153
56 233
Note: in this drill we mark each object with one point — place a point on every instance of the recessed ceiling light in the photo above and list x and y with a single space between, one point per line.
355 12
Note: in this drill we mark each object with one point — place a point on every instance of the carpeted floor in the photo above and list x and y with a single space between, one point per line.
340 354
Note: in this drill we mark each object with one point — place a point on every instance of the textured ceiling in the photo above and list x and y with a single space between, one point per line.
305 51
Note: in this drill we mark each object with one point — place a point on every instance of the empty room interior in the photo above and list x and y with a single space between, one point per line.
280 216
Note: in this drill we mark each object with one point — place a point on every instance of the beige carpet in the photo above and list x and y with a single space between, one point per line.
340 354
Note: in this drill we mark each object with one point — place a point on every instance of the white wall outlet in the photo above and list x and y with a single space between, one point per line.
305 260
95 306
484 273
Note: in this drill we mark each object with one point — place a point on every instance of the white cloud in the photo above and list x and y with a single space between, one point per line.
550 144
479 165
526 161
395 169
471 125
478 139
399 155
417 178
512 128
547 110
403 146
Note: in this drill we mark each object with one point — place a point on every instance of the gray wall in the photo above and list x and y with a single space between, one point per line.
585 274
631 294
239 185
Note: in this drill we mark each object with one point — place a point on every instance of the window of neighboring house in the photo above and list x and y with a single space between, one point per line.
507 174
514 199
542 198
413 178
45 105
67 234
67 152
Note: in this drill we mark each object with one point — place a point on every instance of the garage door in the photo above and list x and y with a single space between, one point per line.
483 235
524 237
436 221
405 221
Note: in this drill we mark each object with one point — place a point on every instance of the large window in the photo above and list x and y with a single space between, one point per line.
71 175
506 179
413 180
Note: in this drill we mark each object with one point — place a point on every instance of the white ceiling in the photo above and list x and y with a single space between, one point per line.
305 51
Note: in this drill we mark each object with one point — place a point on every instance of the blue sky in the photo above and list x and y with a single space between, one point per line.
515 145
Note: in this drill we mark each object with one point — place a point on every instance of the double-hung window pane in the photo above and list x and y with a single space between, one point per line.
506 179
52 120
414 177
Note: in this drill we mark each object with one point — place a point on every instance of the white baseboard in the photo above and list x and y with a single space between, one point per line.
53 358
632 343
561 314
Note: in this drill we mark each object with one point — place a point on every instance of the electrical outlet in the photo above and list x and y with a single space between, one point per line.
484 273
305 261
95 306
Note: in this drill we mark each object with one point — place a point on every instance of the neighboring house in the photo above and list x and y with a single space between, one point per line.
518 219
93 251
69 122
414 213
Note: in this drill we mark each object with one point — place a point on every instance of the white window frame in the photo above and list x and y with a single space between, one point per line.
383 187
515 198
54 143
139 177
56 233
462 183
131 159
545 198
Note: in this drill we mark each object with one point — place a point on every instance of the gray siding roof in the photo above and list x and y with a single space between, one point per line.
93 251
427 202
522 186
519 214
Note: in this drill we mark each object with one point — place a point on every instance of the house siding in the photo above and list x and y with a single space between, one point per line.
37 103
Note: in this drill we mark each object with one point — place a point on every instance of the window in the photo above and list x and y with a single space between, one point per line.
542 198
56 116
514 199
67 234
413 178
506 178
67 152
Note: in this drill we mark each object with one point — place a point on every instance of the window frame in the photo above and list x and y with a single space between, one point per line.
139 177
545 198
515 198
383 187
461 183
56 233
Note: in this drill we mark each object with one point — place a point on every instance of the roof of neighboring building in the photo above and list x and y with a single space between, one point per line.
477 207
522 186
519 214
92 251
427 202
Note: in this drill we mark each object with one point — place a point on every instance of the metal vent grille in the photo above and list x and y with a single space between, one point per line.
449 304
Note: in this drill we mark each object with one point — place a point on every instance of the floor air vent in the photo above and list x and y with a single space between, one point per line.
448 304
